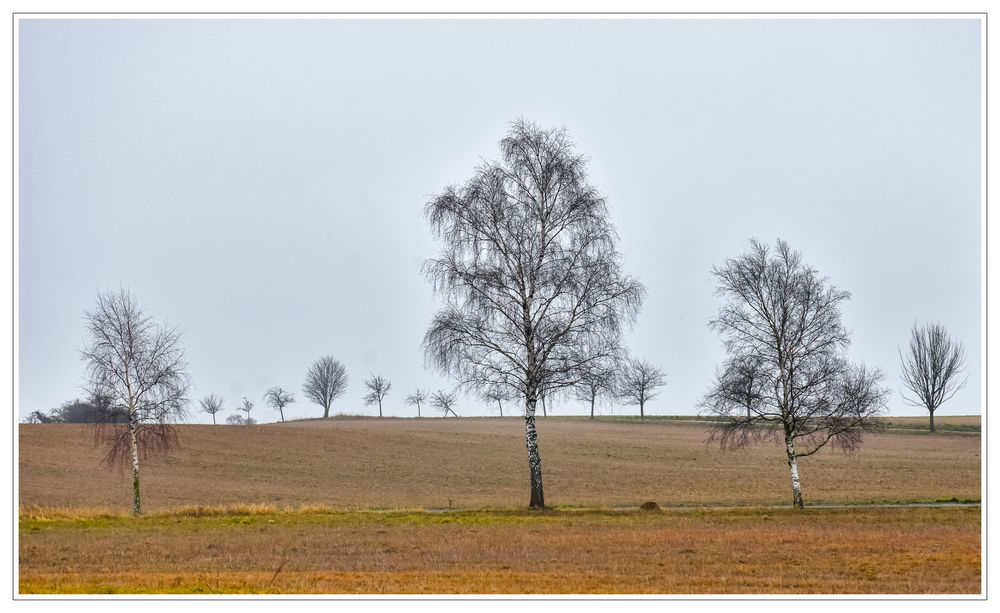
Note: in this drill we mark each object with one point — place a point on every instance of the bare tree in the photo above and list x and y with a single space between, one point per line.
638 383
739 385
326 380
237 420
593 385
416 398
444 401
782 327
136 371
532 281
378 387
278 398
497 395
246 407
931 367
211 404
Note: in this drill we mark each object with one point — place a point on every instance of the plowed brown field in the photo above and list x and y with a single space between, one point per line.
407 463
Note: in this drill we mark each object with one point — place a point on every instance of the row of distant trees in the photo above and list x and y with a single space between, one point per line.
535 304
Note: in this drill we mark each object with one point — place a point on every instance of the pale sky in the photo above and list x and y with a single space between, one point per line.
261 183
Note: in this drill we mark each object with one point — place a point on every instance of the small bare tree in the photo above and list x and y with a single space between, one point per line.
931 367
137 379
211 404
444 401
246 407
593 385
326 380
236 420
378 386
277 398
738 386
787 377
497 395
416 398
638 382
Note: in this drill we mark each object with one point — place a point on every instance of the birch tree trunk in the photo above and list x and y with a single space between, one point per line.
534 460
134 448
793 467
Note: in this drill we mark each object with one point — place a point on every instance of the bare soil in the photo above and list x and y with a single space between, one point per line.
481 462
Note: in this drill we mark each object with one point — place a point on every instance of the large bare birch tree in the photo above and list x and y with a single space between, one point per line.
931 366
531 280
787 377
137 379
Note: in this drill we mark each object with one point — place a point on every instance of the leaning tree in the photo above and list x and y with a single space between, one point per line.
531 279
444 401
787 377
931 367
378 386
137 380
326 380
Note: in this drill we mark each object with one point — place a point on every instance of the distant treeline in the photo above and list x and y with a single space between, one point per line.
74 412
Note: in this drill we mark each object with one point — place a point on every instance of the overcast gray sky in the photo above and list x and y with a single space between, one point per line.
261 183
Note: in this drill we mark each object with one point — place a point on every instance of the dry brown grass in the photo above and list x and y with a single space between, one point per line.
468 463
753 551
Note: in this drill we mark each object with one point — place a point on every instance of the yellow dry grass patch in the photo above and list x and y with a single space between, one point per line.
698 551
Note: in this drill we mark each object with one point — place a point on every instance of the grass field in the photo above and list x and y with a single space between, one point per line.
753 551
291 508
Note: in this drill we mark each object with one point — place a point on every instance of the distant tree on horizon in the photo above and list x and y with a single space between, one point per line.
211 404
416 398
326 380
378 387
931 366
497 395
638 382
593 385
278 398
444 401
246 407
